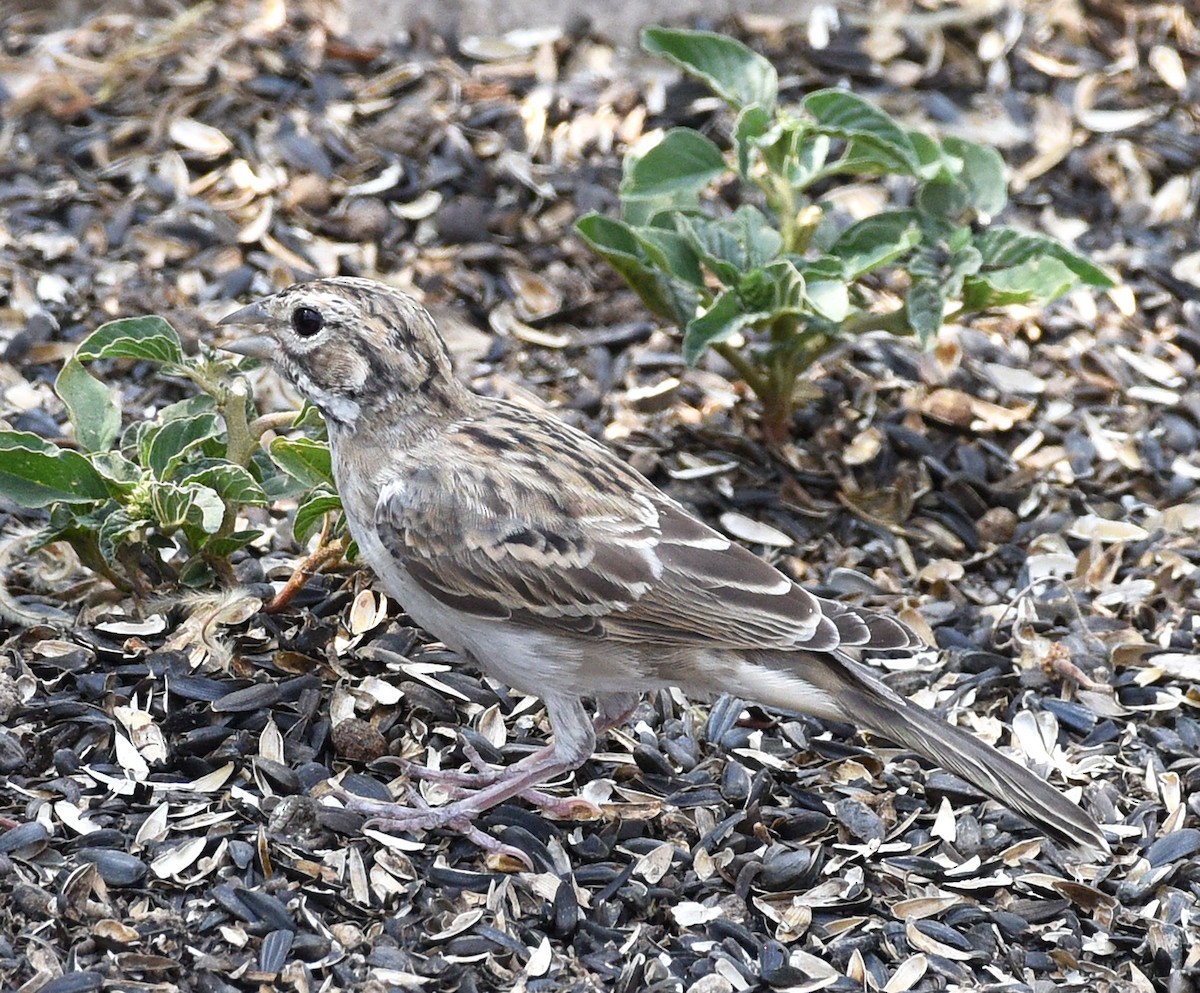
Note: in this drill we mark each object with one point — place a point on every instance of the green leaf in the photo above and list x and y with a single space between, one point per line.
734 72
199 404
1004 246
669 251
830 300
982 175
823 267
121 474
927 262
752 126
148 338
714 242
924 307
944 197
226 545
875 142
277 484
311 511
307 460
757 237
197 573
233 484
864 157
963 263
825 288
808 158
164 450
310 417
671 174
64 525
876 241
963 176
90 405
794 150
960 238
117 528
733 246
930 155
191 505
790 292
1039 279
720 322
755 290
35 473
671 299
134 436
936 264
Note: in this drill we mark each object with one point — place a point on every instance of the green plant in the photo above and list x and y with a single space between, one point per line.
161 497
783 270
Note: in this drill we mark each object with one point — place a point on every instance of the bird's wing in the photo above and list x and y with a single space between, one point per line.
527 519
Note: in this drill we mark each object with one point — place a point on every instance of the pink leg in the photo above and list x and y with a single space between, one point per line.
613 711
574 741
462 784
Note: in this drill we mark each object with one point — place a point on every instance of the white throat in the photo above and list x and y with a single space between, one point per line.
334 406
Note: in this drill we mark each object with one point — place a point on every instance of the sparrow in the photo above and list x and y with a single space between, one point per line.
533 550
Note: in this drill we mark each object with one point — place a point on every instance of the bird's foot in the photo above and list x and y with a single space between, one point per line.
455 781
459 815
395 817
462 785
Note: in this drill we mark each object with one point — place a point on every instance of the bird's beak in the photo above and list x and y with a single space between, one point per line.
256 346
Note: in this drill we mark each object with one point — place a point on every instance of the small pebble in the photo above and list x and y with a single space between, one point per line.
358 740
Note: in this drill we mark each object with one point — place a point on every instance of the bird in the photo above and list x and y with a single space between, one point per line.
533 550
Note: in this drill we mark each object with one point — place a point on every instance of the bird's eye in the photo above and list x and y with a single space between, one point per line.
307 321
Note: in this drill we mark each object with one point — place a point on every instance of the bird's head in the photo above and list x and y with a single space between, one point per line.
348 345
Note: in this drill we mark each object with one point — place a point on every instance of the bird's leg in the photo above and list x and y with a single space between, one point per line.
455 780
478 838
613 710
568 807
462 784
574 740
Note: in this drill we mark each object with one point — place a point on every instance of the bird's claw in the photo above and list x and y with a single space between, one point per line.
393 818
460 785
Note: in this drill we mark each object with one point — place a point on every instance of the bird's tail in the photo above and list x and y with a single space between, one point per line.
857 695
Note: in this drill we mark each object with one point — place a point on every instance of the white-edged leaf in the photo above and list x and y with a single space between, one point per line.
150 338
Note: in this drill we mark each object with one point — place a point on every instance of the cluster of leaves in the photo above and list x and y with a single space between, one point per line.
784 269
161 497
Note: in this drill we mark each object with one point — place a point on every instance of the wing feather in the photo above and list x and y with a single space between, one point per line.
578 541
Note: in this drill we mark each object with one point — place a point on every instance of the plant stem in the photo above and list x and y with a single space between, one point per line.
784 329
815 346
321 556
757 382
269 422
241 441
786 198
87 547
231 397
894 322
775 385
